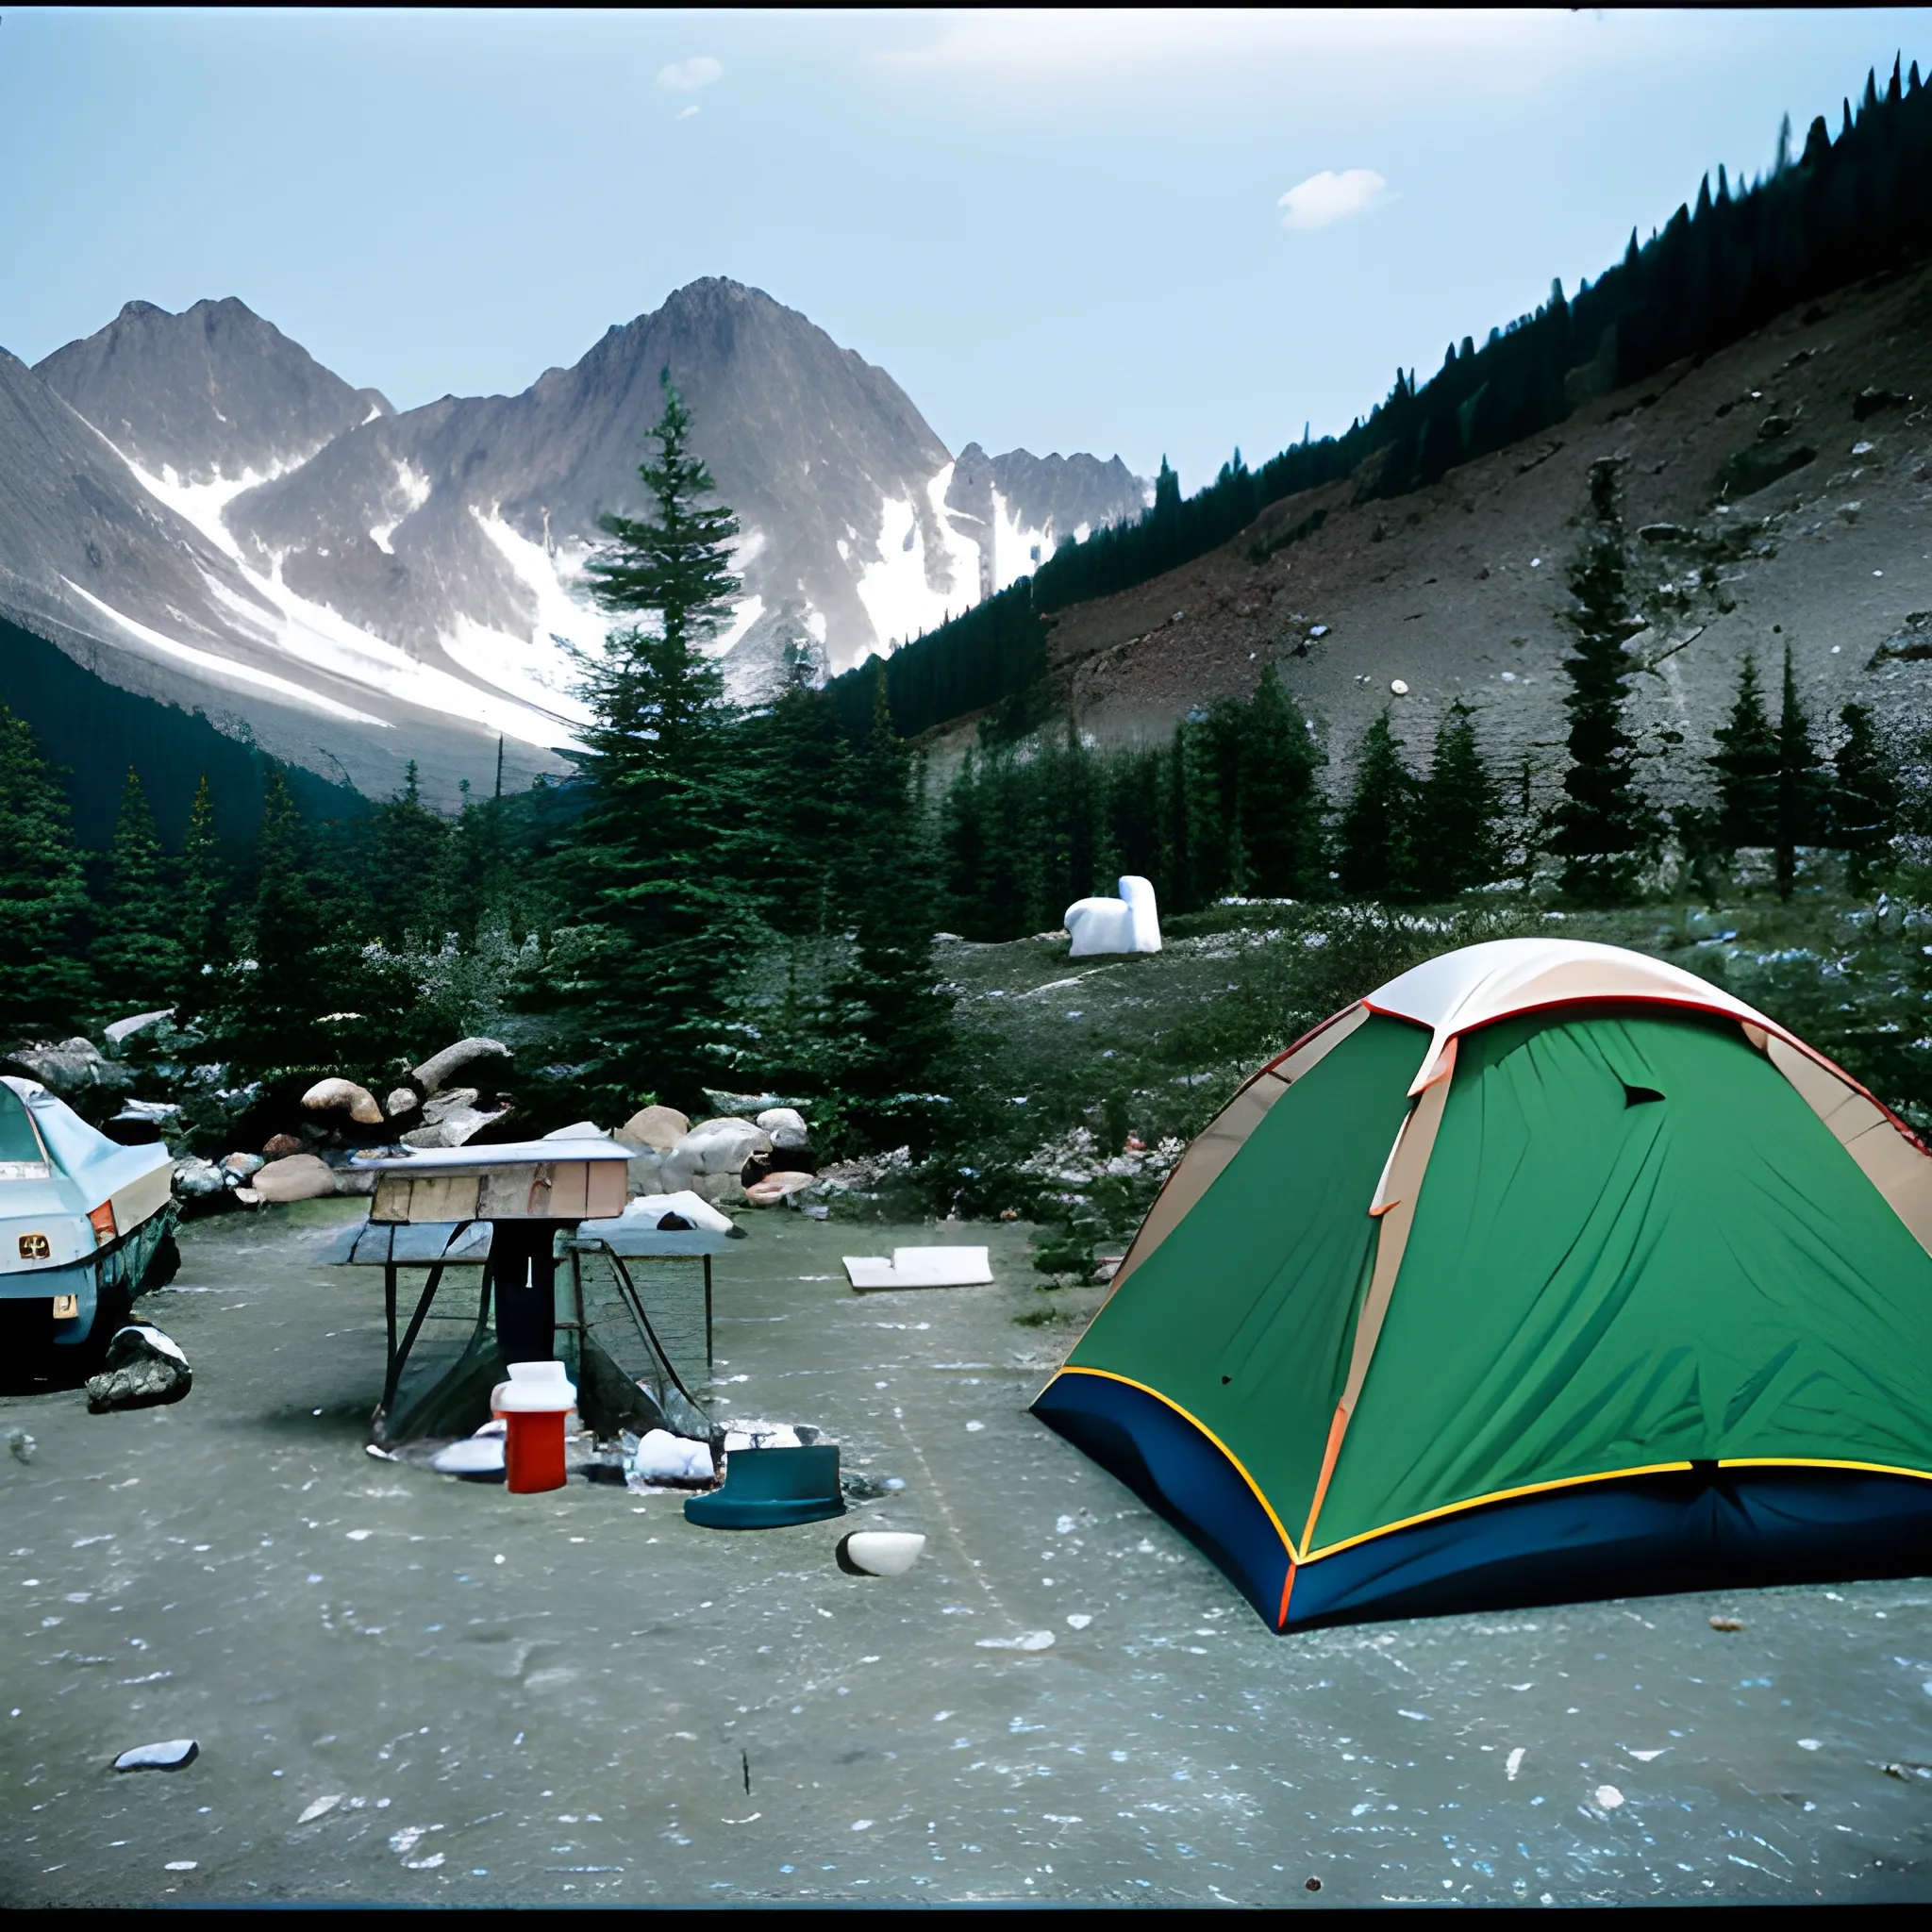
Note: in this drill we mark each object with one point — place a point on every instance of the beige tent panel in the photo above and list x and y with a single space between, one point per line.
1211 1151
1895 1163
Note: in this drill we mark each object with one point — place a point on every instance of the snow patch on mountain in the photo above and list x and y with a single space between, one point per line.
223 669
915 584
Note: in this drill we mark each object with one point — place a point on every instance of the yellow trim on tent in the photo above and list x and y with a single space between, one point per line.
1565 1482
1819 1462
1108 1376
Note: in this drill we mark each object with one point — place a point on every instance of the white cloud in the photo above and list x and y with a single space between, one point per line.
685 113
1331 197
687 77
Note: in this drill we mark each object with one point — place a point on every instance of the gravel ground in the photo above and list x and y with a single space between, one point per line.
412 1689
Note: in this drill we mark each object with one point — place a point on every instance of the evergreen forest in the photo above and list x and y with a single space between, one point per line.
1842 208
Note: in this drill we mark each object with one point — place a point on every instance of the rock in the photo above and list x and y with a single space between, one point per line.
172 1755
331 1096
661 1127
775 1188
354 1180
577 1130
647 1173
242 1164
400 1100
438 1070
143 1368
248 1197
721 1146
879 1552
786 1126
456 1128
195 1178
72 1067
747 1105
452 1100
116 1031
21 1444
1727 1623
1664 533
720 1189
296 1178
278 1146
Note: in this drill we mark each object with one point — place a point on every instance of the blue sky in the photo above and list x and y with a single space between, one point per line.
1062 231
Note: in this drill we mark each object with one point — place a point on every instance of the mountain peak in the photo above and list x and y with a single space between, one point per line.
213 393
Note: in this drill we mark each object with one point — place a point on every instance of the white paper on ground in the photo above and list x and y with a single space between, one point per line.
920 1268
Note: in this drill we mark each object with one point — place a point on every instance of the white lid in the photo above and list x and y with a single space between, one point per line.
534 1389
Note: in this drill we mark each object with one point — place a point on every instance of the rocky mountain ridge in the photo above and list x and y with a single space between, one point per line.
206 515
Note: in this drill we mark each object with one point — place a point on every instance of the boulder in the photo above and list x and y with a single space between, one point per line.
143 1367
195 1178
451 1100
439 1070
118 1031
296 1178
721 1146
279 1146
70 1067
332 1096
775 1188
720 1189
647 1173
747 1105
400 1100
661 1127
242 1164
454 1127
786 1126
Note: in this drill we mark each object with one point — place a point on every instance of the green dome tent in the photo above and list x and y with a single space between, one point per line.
1547 1271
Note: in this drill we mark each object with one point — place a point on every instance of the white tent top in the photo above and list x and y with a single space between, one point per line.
1479 984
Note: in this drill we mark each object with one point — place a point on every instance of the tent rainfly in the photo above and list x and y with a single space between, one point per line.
1546 1272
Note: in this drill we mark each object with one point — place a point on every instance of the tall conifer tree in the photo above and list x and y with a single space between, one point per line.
204 903
1280 804
1747 764
1801 784
1378 860
137 955
44 902
661 919
1864 798
1604 825
1457 839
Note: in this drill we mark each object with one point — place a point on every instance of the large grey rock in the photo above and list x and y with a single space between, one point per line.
117 1032
452 1100
456 1126
786 1128
441 1068
143 1368
720 1146
296 1178
335 1095
195 1178
72 1067
655 1126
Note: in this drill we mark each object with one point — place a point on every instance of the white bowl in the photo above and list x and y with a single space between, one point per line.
882 1552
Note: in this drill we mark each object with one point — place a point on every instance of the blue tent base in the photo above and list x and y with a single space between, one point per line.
1707 1527
1702 1528
1178 1472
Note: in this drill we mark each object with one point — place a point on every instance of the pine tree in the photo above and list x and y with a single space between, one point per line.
203 899
1281 803
661 918
1864 798
44 979
1604 825
408 883
138 955
1747 765
1458 841
1378 827
1801 784
891 1021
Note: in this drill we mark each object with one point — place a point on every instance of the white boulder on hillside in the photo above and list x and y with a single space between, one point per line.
1130 924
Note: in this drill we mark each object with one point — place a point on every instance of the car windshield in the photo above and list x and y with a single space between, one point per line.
19 1143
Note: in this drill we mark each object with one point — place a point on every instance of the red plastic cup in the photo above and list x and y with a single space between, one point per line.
533 1405
533 1451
